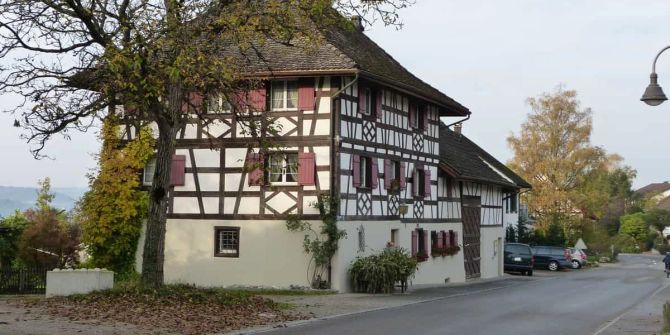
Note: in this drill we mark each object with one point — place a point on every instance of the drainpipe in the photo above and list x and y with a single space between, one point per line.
460 121
335 149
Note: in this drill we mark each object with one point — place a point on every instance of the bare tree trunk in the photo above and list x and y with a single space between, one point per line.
154 244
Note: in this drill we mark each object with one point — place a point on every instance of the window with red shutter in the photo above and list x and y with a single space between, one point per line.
388 174
427 187
356 170
306 168
306 94
415 243
194 103
425 119
412 115
403 169
379 94
254 167
374 173
257 100
365 102
440 239
178 170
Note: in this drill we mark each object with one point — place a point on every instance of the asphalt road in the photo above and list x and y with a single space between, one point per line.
569 302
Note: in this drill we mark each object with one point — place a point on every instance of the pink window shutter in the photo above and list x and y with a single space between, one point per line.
440 239
412 115
257 98
425 118
356 170
239 101
426 242
415 242
178 170
378 106
361 100
387 174
427 183
415 182
446 238
255 169
374 176
306 94
306 168
402 175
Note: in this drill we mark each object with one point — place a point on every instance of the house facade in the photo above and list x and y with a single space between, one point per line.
350 123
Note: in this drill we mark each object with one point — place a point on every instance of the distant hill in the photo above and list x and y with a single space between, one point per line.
22 198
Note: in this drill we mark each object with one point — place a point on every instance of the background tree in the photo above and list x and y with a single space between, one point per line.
11 228
635 226
49 239
73 59
571 178
112 211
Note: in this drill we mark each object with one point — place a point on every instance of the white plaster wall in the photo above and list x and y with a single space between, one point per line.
377 234
68 282
492 240
270 255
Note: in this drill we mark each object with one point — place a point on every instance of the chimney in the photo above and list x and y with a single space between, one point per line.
358 23
458 128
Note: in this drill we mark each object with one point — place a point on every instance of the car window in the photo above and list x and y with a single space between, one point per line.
541 251
557 252
517 249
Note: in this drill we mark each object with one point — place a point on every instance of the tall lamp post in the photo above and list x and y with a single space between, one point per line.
653 95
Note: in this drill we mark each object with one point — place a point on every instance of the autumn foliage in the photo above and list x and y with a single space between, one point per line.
112 211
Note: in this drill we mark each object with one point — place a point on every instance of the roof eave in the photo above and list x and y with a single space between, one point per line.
452 108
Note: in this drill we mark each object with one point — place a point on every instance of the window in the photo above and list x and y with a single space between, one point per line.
420 182
149 170
368 102
513 203
283 167
395 170
284 95
226 241
217 103
421 117
433 240
423 248
366 172
394 237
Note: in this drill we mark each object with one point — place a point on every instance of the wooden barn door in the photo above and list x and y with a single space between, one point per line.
471 235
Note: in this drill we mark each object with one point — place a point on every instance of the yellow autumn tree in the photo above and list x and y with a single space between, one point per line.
112 211
554 152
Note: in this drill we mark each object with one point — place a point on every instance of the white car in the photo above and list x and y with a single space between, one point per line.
578 258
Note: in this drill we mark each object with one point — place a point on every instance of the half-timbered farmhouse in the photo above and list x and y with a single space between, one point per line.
356 125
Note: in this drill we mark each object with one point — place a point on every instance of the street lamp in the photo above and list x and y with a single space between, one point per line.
653 95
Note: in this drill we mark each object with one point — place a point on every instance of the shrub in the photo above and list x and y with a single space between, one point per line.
625 243
379 273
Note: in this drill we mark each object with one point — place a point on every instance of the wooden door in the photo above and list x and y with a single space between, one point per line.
471 235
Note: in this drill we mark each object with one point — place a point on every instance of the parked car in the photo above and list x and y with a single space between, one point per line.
578 258
519 258
552 258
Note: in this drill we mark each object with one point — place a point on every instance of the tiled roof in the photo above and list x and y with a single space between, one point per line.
462 157
347 50
655 188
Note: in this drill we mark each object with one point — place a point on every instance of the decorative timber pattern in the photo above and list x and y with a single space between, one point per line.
382 137
216 147
491 201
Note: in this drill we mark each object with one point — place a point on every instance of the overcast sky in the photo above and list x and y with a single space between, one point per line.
490 56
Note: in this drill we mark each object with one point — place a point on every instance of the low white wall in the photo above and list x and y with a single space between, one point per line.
68 282
435 270
269 255
492 240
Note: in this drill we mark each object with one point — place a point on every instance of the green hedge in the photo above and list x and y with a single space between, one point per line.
379 273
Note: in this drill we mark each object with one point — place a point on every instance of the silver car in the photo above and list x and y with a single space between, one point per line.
578 258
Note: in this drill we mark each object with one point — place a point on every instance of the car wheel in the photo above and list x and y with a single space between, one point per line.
553 266
529 273
576 264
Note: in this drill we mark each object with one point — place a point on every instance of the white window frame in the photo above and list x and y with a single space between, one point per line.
368 101
222 106
149 172
284 99
285 168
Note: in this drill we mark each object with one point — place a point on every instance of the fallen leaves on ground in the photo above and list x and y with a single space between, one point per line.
180 309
